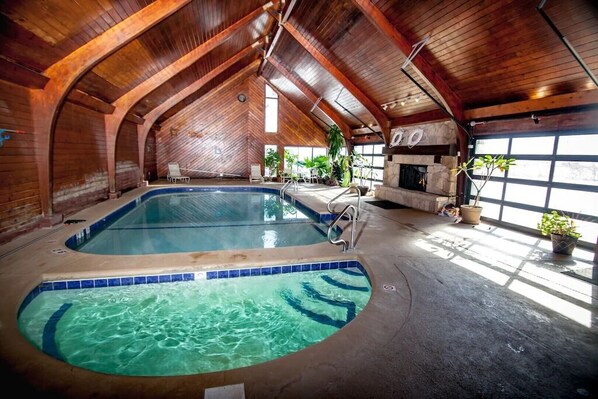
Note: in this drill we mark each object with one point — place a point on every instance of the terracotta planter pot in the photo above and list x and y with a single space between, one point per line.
470 214
563 244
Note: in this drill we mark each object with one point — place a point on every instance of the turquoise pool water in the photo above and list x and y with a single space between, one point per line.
204 221
191 327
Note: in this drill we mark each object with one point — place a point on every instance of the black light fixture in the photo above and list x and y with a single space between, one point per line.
535 119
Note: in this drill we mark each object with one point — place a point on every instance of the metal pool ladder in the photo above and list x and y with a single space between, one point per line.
347 246
357 211
286 187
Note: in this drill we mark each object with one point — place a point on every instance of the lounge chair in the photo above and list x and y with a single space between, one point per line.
174 173
256 173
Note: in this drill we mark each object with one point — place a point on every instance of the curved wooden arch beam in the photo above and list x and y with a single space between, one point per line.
64 74
153 115
367 102
307 92
123 105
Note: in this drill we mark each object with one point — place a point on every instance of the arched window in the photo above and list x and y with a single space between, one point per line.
271 111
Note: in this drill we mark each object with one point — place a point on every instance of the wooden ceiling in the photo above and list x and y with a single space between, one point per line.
480 53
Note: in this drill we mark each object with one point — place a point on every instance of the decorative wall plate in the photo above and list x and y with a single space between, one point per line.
415 137
397 136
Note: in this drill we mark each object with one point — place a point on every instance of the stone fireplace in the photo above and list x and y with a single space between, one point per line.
419 181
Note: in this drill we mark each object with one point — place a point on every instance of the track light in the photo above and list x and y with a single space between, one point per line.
535 119
402 103
385 107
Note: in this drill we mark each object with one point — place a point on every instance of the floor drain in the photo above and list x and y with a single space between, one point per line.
59 251
388 287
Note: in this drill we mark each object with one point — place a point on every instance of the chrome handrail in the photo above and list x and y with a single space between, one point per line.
284 188
358 210
347 246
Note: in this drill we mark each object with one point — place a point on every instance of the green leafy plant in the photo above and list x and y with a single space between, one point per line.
485 166
560 224
290 159
335 142
322 166
272 161
341 170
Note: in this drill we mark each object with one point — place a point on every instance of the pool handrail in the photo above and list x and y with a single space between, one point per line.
358 210
347 246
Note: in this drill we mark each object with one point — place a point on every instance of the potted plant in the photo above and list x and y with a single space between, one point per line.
483 166
562 230
272 161
364 171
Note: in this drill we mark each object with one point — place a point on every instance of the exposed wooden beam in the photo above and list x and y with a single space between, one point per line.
581 98
279 29
443 91
446 95
127 101
313 97
359 94
153 115
21 76
65 73
85 100
435 115
136 119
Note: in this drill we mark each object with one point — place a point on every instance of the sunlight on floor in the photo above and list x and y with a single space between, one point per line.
491 248
567 309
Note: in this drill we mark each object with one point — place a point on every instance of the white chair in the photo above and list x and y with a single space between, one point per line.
174 173
256 173
287 175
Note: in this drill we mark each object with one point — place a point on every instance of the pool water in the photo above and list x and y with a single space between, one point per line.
193 327
206 221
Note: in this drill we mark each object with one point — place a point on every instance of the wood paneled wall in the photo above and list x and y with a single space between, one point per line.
127 158
150 170
80 173
217 133
19 191
295 128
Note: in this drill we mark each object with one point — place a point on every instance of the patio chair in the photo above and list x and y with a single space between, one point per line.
174 173
256 173
287 175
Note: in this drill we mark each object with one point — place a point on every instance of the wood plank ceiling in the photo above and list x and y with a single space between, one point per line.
488 53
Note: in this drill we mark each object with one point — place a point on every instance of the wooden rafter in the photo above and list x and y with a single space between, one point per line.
587 97
123 105
307 92
359 94
153 115
279 30
64 74
446 95
435 115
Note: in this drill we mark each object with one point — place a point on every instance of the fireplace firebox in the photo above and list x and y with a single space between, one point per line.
413 177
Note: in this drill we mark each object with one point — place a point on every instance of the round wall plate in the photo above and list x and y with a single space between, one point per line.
242 98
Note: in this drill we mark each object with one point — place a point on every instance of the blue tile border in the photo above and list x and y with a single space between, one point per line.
102 282
80 238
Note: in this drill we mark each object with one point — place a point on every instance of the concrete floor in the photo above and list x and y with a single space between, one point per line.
478 311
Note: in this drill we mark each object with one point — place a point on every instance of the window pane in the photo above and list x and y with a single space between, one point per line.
378 161
588 230
532 145
574 201
271 115
304 152
368 149
576 172
524 194
493 189
578 145
378 148
377 174
319 151
492 146
530 170
521 217
358 149
489 210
